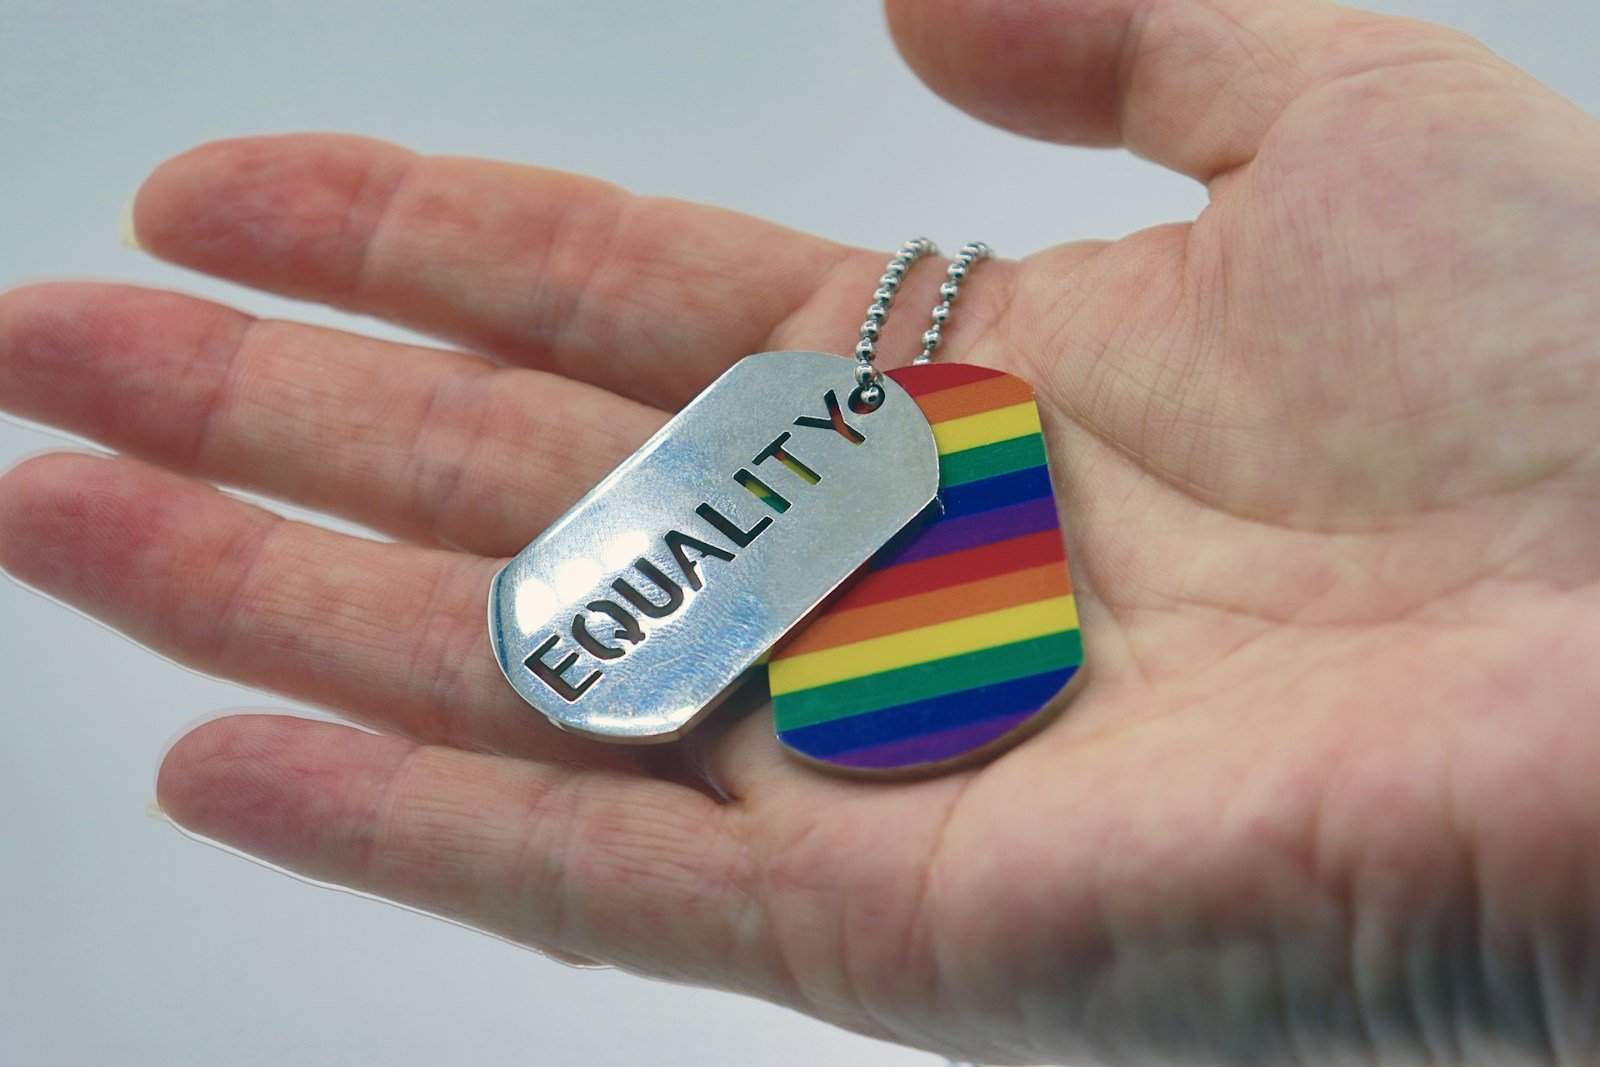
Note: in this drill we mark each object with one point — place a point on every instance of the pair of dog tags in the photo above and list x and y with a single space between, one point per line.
890 553
725 540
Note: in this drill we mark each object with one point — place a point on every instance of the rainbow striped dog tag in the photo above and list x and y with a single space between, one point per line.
963 629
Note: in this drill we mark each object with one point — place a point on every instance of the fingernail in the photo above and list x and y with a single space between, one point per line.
125 229
152 808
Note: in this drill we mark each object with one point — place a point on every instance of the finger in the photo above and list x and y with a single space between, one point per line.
645 296
1193 85
391 635
438 447
615 868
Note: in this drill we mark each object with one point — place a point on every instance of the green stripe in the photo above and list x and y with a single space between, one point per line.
986 461
922 681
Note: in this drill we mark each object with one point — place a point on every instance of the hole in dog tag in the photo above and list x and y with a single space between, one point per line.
636 611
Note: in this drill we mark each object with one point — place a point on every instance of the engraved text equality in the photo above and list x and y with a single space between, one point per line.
606 627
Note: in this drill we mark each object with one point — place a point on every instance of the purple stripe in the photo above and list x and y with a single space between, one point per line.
930 748
984 528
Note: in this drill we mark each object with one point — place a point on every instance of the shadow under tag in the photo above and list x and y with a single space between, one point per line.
636 611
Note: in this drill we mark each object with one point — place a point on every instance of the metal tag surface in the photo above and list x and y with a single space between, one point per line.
636 611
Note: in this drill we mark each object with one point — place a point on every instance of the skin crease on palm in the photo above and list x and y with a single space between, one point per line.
1329 465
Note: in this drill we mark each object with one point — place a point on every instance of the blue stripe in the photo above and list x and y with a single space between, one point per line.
984 528
960 708
990 493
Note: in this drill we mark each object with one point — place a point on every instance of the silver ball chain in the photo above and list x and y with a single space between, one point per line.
972 253
867 376
868 389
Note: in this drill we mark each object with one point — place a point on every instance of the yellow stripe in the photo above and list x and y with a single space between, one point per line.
909 647
985 428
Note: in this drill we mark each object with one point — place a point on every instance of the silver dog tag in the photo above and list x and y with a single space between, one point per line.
631 616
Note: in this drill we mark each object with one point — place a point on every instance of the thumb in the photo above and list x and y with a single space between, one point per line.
1192 84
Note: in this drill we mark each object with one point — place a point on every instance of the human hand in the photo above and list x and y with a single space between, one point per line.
1328 461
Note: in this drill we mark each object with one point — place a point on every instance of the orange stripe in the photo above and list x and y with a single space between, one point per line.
974 399
834 629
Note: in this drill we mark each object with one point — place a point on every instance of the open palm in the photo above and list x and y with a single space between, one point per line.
1330 470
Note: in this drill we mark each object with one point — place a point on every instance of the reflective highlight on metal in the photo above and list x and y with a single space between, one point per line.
634 614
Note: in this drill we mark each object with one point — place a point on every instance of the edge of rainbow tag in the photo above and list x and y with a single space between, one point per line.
957 637
636 611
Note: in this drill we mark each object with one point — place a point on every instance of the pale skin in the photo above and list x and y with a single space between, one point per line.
1329 464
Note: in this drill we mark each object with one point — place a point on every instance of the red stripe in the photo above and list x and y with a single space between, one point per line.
954 568
920 379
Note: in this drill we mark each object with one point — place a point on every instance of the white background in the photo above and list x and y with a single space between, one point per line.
123 942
